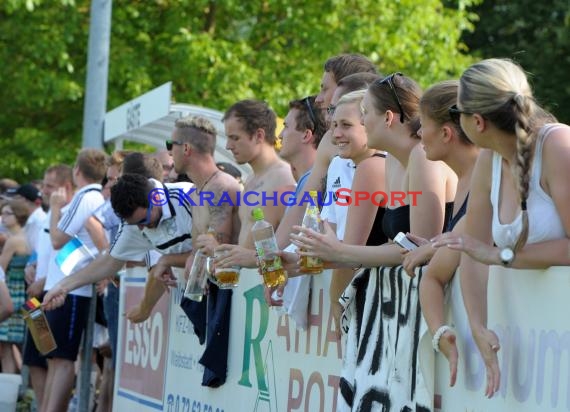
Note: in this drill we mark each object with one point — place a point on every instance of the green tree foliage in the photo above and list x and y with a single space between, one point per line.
214 51
536 34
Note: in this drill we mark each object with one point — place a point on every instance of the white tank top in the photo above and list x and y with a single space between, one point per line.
544 220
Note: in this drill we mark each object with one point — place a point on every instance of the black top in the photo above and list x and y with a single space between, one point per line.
460 213
377 235
398 219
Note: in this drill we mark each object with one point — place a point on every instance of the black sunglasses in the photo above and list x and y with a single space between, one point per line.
331 109
169 144
312 117
390 81
455 113
146 220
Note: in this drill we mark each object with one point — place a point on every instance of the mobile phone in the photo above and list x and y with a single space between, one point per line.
402 240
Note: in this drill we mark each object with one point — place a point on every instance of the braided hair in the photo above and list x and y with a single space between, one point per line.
499 91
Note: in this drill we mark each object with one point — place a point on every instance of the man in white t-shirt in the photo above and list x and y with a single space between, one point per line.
156 217
68 220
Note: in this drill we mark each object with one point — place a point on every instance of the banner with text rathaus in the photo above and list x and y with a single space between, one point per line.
274 367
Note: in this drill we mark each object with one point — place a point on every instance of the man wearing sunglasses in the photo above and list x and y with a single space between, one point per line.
192 148
156 217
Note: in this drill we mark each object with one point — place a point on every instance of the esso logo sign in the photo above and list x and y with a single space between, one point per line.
144 342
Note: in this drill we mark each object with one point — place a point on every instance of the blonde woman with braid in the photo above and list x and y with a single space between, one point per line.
520 196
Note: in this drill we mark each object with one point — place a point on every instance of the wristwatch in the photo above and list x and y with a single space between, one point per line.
507 255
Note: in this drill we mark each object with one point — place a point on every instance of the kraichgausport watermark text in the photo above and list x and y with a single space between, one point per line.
340 197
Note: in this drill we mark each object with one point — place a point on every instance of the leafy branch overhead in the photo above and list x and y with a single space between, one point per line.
214 52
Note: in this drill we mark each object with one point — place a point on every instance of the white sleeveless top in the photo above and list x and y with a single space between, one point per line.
544 220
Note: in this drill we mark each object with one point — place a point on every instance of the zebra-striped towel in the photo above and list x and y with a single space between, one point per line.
383 325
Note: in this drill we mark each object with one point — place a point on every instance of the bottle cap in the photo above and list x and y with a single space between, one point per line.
313 193
257 214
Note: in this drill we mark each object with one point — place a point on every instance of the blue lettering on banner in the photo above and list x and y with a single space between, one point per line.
180 403
184 360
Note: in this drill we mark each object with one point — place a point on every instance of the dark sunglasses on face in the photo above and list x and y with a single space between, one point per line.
455 113
146 220
390 81
170 143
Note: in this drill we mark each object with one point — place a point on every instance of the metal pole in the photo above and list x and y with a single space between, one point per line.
97 73
87 350
93 118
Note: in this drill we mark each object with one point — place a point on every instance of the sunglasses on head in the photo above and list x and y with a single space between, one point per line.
170 143
331 109
390 81
307 103
455 113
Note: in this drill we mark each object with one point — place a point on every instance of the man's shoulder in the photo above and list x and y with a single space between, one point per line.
91 191
225 183
280 174
89 196
186 186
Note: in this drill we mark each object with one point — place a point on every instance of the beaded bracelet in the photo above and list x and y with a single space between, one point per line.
438 334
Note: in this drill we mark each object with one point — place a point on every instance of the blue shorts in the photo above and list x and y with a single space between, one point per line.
67 324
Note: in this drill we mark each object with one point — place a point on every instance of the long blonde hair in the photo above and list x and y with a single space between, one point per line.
498 90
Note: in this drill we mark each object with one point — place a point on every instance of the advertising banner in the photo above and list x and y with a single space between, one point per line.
272 366
528 309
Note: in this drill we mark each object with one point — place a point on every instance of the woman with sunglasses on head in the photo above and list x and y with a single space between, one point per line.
13 259
381 363
443 139
520 197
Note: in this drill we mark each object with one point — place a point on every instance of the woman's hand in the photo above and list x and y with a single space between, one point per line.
448 347
417 257
488 344
478 250
310 243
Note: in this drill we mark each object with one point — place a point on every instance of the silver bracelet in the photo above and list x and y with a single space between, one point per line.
438 334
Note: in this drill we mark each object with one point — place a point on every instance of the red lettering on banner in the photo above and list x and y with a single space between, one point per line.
305 397
315 324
